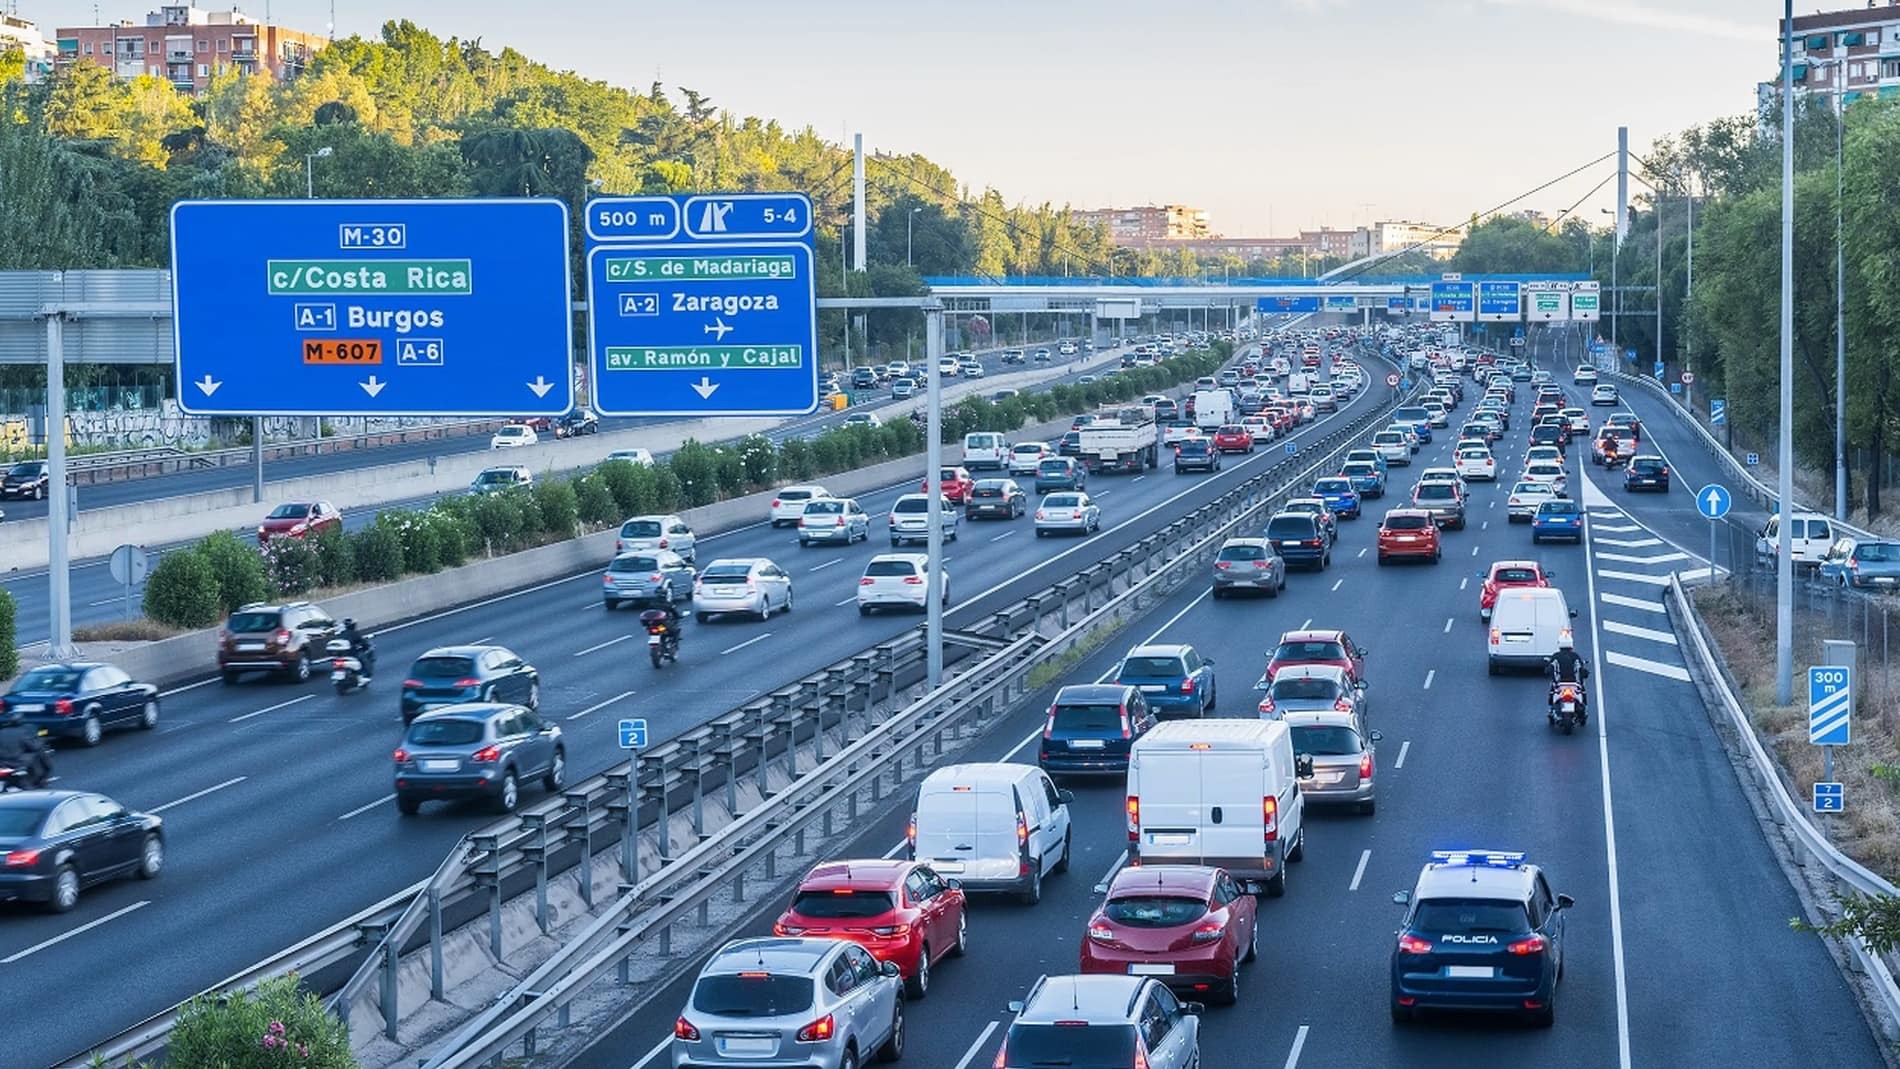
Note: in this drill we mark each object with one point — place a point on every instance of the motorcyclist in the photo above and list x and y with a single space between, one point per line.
670 617
20 747
1568 666
360 647
1609 450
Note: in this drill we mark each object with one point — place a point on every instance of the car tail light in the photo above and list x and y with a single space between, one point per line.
775 502
18 858
63 706
1311 542
910 832
1022 829
401 756
1187 685
892 931
1365 765
1412 944
1563 636
620 545
1270 817
1266 704
1002 1057
913 580
282 636
412 683
1496 637
1221 565
469 682
1040 515
1134 818
866 581
1536 944
608 579
1205 933
684 1029
486 755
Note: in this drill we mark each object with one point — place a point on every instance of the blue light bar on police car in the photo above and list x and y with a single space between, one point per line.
1502 859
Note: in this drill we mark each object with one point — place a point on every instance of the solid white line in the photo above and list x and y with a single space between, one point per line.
1448 620
188 686
895 850
271 708
658 1049
1609 815
827 564
1299 1044
1630 558
976 1047
1101 885
1360 872
1621 528
1404 748
483 641
747 642
1617 627
1630 543
602 646
1337 583
1644 664
197 794
361 809
1636 577
1632 603
1430 675
1002 536
62 937
602 705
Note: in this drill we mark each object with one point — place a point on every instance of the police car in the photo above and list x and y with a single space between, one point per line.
1482 931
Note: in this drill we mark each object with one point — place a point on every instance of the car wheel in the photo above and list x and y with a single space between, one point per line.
864 610
702 617
765 607
1216 593
918 984
1491 667
151 857
1298 853
229 678
1033 894
1230 993
148 717
893 1048
896 543
1367 808
509 795
804 543
557 772
301 672
65 890
610 604
1253 941
1062 866
1547 1016
408 806
91 731
1276 887
962 944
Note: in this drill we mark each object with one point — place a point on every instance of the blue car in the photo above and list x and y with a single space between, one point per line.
1368 480
1560 518
1339 494
1862 562
1299 539
1482 931
81 700
1175 681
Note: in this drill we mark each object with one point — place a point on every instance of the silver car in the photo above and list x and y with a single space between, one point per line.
1248 564
1067 511
831 519
910 520
647 577
1306 688
751 585
477 751
1103 1020
658 532
778 1003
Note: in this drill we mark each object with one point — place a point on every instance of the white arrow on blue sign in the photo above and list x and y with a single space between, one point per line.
1718 410
1830 704
1675 387
633 734
1292 448
1713 501
1830 798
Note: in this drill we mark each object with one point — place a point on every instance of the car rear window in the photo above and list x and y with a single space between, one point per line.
987 490
795 495
252 622
1388 437
1360 467
1243 552
495 475
1311 690
1053 467
1088 718
1027 449
1152 666
1309 651
1881 551
1406 523
824 508
1471 916
1437 492
1094 1046
641 529
1290 527
444 666
1514 575
1195 445
1154 911
1325 741
445 732
844 903
634 564
1332 486
1062 501
1558 507
890 567
759 994
1232 428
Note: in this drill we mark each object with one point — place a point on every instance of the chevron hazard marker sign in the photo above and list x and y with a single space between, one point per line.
1830 704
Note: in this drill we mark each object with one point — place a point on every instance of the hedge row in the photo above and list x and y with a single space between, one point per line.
198 586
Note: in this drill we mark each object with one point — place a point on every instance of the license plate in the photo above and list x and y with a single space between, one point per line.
947 866
747 1045
440 766
250 645
1470 972
1154 688
31 708
1331 777
1884 579
1168 839
1143 969
1085 744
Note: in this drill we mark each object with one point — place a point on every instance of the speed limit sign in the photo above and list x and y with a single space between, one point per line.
1392 380
1688 378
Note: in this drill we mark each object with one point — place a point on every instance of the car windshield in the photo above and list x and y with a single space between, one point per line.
1880 551
890 568
1152 666
759 994
251 623
824 508
1243 552
495 476
444 667
51 677
1470 916
1087 718
640 529
634 564
844 903
30 467
1090 1047
1309 651
448 731
1154 911
1324 740
289 512
1311 690
1407 523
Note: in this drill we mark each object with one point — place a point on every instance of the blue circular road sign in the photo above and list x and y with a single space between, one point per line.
1713 501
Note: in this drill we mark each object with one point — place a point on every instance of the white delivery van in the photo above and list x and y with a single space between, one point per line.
993 826
1526 626
1298 383
985 450
1810 536
1218 792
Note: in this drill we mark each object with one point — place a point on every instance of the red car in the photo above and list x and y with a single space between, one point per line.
900 911
1318 647
954 483
1505 574
298 519
1233 438
1409 533
1188 926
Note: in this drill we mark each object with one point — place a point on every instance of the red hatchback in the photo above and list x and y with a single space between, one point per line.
1318 647
955 483
299 519
1505 574
900 911
1233 438
1409 533
1188 926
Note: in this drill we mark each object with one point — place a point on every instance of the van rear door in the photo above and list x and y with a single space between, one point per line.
947 829
1166 788
1234 788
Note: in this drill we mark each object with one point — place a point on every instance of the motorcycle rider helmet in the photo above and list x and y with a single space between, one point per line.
349 624
1565 642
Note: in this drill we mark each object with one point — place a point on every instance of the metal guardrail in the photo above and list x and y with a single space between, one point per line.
131 460
1787 812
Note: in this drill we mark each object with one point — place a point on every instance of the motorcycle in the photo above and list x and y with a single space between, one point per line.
663 640
14 778
346 669
1566 706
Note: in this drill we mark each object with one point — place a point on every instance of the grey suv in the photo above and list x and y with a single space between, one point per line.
477 750
818 1003
1102 1020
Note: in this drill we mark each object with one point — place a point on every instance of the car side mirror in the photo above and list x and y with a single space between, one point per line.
1303 765
1360 684
1014 1006
1208 661
1376 736
1065 796
1565 901
890 968
1193 1009
954 885
1573 614
1402 898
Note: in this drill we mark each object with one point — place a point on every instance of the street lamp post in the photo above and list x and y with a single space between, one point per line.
1784 454
908 220
1840 299
309 173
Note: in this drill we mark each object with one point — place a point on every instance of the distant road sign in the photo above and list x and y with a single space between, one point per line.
1675 387
1454 302
1688 378
1830 704
1830 798
1392 379
633 734
1713 501
1718 410
1752 459
1286 305
451 307
1499 302
1292 448
129 565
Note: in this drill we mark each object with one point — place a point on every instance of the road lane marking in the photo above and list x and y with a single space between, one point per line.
1002 536
1430 675
1630 543
1299 1044
1630 558
1101 885
1462 582
1598 654
188 686
361 809
1475 549
1404 748
602 705
1644 664
483 641
1137 478
602 646
827 564
1360 872
1307 624
846 601
272 708
743 645
1362 552
1621 528
63 936
659 1048
1635 577
976 1047
1337 583
1632 603
195 795
1616 627
1448 625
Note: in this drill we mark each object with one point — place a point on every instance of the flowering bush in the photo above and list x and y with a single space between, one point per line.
276 1025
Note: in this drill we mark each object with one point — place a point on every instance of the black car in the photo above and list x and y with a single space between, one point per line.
1196 454
1092 727
1549 434
1646 471
25 479
1070 444
576 423
81 700
453 675
863 378
999 498
56 842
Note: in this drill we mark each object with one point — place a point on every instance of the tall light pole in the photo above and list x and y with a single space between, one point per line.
1840 298
1784 490
908 220
309 171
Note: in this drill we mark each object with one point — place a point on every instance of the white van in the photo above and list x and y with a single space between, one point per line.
985 449
1218 792
1526 626
993 826
1810 536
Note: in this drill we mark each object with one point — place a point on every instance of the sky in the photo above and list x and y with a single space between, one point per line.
1272 115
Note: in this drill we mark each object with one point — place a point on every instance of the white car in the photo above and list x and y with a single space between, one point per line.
970 369
899 581
753 586
1025 457
1476 462
1585 373
903 389
1392 447
639 457
513 436
949 366
1547 471
1603 394
1579 420
1525 497
1260 427
658 532
1543 453
910 519
863 419
1067 510
788 505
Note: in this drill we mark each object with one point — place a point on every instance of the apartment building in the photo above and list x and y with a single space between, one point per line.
189 46
1150 222
1440 243
1843 55
16 32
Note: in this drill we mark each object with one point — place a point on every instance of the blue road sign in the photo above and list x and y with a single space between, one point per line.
1286 305
1718 410
1713 501
1338 303
1630 355
1517 332
1753 459
1292 448
1830 798
633 734
1398 304
702 305
1598 348
1498 302
1830 704
1405 384
1675 387
372 307
1457 299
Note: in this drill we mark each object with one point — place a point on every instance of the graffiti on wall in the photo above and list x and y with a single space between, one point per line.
167 427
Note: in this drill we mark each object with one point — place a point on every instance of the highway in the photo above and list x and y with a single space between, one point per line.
1678 950
97 599
277 797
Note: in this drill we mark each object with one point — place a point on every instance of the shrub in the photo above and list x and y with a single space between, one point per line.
729 469
275 1025
238 569
182 591
336 558
498 518
9 637
557 507
457 537
795 459
760 458
827 455
667 492
695 466
292 565
378 554
624 480
595 502
421 544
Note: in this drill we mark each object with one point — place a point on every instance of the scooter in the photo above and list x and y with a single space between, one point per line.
1566 706
663 642
346 669
21 779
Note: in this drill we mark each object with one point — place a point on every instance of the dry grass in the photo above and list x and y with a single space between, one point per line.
136 630
1870 830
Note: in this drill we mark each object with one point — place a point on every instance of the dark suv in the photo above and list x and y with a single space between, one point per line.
1196 454
1299 539
282 639
1091 728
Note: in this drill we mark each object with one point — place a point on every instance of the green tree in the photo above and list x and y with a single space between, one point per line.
12 64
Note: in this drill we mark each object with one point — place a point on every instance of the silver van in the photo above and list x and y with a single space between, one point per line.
994 826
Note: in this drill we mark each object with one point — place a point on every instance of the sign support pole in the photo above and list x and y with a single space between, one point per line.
933 466
257 458
1784 457
59 645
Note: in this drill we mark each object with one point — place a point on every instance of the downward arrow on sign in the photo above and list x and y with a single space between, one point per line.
540 386
372 387
209 385
704 387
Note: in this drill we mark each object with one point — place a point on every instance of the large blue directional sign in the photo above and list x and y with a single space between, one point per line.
1398 304
372 307
1830 704
1498 302
1454 301
702 305
1713 501
1338 303
1284 305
